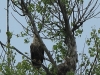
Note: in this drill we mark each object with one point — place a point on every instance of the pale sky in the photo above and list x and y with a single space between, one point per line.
15 27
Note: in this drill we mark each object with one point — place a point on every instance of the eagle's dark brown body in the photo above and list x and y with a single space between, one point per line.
37 53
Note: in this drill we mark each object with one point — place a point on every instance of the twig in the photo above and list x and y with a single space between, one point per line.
12 47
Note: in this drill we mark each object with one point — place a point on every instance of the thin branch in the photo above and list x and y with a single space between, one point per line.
12 47
22 25
8 37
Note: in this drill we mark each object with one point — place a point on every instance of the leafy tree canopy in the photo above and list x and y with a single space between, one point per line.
59 21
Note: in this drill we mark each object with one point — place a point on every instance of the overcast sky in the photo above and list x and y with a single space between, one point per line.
15 27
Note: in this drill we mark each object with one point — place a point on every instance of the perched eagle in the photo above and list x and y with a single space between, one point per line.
37 53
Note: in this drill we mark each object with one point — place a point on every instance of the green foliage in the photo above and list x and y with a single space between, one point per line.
52 69
7 67
92 67
70 73
60 51
21 68
49 20
31 7
9 34
26 40
78 32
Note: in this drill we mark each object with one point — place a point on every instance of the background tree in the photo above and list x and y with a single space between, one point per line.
60 21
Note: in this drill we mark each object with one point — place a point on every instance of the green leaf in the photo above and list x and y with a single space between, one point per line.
55 47
99 31
9 34
26 40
